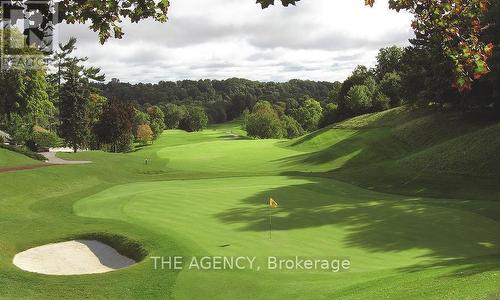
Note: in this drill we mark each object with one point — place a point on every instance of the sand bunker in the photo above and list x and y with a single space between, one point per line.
72 258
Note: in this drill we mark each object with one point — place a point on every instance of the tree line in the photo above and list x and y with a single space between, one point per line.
57 104
66 100
457 26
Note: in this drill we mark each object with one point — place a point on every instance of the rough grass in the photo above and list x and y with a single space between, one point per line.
430 154
122 244
9 158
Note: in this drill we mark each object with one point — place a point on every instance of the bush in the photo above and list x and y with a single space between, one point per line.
46 139
24 151
19 130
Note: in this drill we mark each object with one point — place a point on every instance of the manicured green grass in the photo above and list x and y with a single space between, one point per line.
206 193
11 159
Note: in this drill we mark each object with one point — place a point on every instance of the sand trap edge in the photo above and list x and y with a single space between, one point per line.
75 257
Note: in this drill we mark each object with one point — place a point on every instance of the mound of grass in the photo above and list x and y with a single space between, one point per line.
427 153
476 153
122 244
11 159
388 118
24 151
434 128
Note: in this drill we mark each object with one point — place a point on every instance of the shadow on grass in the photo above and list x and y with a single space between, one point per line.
139 147
234 137
375 222
363 147
308 137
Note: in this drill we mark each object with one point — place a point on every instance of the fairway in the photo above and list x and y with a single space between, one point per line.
318 218
205 194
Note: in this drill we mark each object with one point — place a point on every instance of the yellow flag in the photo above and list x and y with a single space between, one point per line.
272 203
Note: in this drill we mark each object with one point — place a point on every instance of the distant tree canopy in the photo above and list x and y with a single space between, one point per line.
223 100
416 75
456 25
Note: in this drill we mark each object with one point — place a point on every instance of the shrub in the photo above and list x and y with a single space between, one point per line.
46 139
19 130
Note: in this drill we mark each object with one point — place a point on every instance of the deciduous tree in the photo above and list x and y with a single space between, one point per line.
115 126
144 134
156 121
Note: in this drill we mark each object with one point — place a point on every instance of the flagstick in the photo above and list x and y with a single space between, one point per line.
270 223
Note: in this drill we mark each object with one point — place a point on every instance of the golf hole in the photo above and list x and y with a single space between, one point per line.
75 257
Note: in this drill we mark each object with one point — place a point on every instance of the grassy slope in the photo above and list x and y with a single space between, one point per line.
415 152
11 159
400 246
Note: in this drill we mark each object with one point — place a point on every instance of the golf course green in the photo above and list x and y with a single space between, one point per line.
417 216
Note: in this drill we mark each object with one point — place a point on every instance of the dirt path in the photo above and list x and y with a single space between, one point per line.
22 168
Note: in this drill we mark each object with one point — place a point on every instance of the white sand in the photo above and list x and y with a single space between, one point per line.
72 258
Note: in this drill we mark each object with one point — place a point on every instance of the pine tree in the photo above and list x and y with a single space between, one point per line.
74 99
74 108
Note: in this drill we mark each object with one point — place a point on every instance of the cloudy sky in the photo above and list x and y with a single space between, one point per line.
217 39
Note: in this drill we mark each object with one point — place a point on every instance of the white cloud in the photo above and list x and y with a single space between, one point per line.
317 39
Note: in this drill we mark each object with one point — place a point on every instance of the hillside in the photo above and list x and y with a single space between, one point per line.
12 159
412 152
